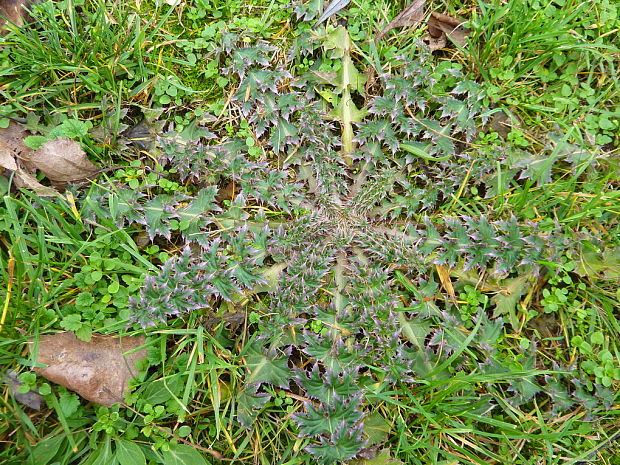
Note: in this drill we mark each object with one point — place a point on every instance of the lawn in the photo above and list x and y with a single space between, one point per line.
359 232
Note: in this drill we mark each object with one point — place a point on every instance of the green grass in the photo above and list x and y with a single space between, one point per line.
545 60
65 264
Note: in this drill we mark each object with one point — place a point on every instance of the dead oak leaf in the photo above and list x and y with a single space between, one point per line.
97 370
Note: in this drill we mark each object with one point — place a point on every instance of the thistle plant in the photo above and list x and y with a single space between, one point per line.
336 222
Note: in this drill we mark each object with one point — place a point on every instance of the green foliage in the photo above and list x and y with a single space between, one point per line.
354 246
93 57
552 78
474 302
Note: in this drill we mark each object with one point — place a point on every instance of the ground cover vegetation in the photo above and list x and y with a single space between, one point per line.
339 249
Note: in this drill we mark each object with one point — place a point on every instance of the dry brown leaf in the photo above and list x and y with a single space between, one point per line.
97 370
410 16
13 11
62 161
7 157
24 180
443 25
436 43
444 276
227 193
446 19
12 137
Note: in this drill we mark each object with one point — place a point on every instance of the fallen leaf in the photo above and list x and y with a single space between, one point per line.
96 370
12 138
7 158
410 16
442 22
436 43
227 193
440 25
24 180
13 11
62 161
444 276
30 399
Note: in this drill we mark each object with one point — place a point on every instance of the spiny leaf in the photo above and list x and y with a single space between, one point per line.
524 388
282 134
328 418
268 369
157 213
192 220
249 402
244 58
326 387
343 445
